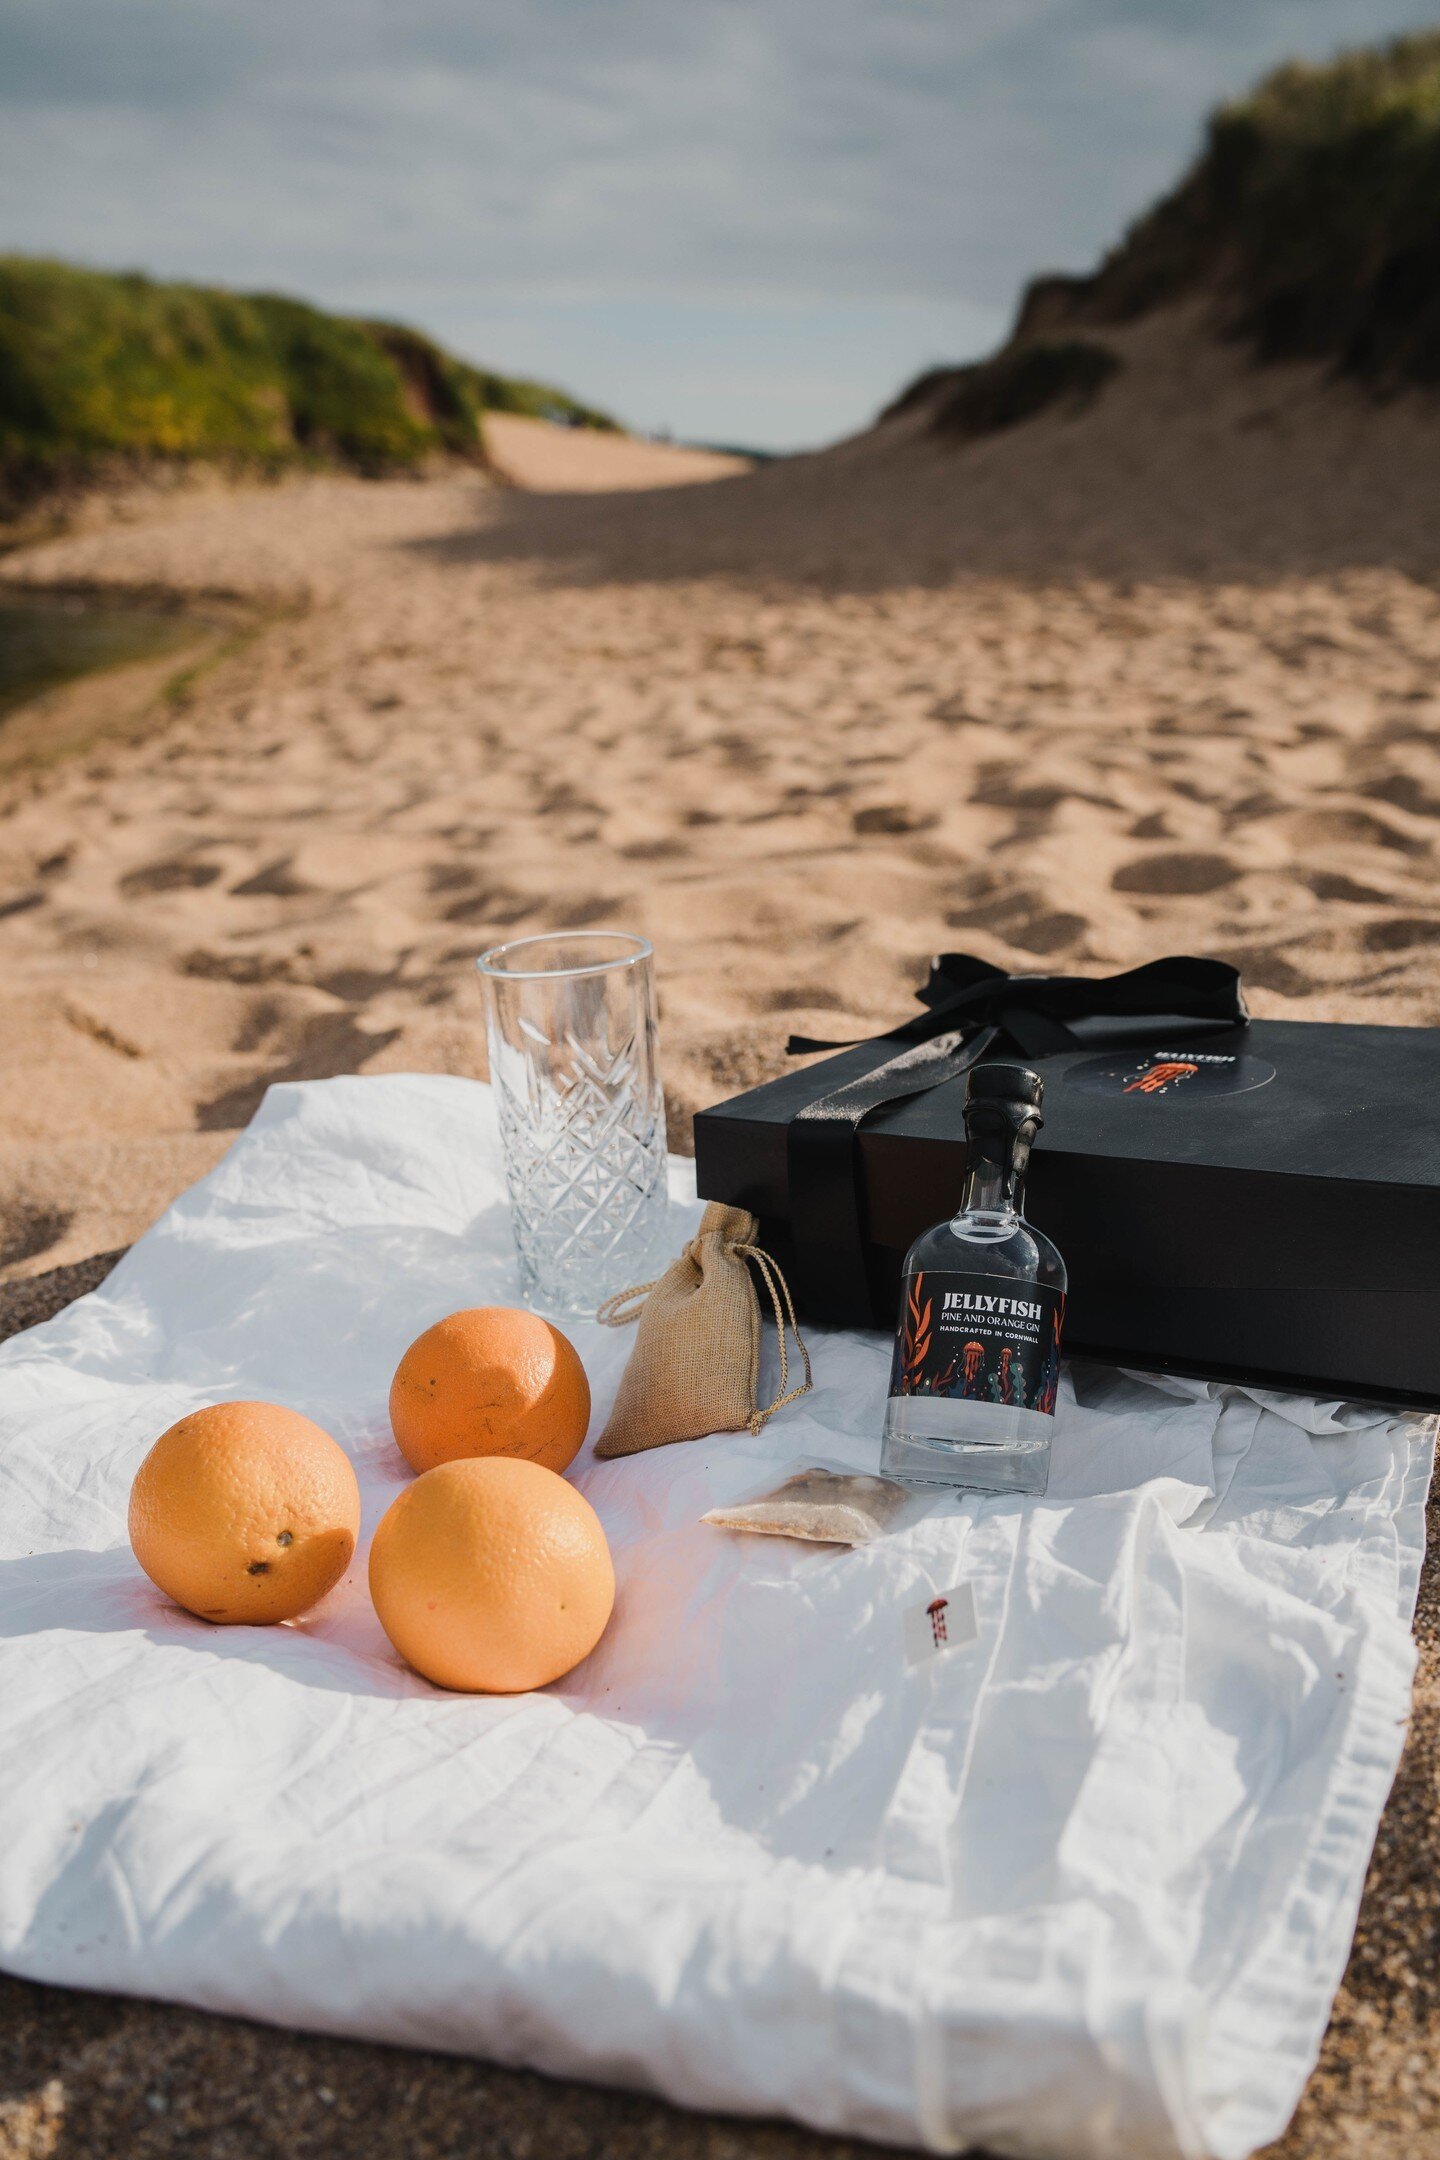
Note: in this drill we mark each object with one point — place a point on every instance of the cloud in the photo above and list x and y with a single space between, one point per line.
792 163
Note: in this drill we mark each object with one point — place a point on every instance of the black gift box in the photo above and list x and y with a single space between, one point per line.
1254 1202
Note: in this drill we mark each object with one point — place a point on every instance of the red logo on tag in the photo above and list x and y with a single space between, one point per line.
942 1627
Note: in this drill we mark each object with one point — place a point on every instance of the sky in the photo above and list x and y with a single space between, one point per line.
742 221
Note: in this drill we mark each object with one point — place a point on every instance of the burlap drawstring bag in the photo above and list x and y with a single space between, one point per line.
696 1359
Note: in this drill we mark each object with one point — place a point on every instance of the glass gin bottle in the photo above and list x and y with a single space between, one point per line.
982 1305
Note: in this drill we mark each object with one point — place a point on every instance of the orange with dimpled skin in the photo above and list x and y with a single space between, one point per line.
490 1381
492 1576
245 1512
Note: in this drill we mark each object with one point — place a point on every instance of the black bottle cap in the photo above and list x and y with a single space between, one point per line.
998 1082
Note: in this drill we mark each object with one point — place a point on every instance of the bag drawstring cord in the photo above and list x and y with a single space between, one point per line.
614 1313
772 1273
626 1305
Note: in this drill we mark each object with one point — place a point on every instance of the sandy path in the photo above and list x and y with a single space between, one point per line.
569 461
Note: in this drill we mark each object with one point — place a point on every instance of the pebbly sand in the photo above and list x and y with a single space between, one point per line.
1163 676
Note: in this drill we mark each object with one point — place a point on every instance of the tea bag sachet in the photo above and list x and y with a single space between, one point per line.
696 1359
824 1504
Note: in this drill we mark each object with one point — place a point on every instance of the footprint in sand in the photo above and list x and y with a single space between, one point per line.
801 997
173 875
892 818
1262 968
320 1045
1334 885
243 968
661 850
1177 873
443 877
1400 934
29 1230
586 908
1023 920
277 881
1352 828
490 904
1407 791
1011 787
262 1017
357 985
738 753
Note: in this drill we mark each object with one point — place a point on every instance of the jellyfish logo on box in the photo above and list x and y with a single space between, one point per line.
1157 1078
1175 1075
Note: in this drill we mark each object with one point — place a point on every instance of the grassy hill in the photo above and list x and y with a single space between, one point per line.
95 368
1310 222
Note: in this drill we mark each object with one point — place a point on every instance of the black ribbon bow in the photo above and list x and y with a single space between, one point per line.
972 1008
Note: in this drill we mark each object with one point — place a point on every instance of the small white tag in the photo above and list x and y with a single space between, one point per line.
946 1622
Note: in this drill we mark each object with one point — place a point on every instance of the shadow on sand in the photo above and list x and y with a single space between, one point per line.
1123 493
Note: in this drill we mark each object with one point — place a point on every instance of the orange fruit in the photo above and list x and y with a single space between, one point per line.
245 1512
491 1381
491 1575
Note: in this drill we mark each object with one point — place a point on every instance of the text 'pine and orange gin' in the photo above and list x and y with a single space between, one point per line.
982 1306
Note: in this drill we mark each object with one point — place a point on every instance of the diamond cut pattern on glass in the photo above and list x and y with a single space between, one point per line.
584 1134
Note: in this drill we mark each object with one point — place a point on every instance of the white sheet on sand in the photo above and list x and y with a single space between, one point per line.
1082 1888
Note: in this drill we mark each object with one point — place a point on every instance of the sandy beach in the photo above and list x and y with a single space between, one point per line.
802 726
1163 676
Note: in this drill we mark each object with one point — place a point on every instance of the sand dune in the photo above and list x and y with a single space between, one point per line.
1073 696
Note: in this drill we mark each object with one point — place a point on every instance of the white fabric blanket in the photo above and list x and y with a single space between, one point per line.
1084 1887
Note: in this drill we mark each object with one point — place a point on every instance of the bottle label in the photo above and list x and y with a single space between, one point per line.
979 1338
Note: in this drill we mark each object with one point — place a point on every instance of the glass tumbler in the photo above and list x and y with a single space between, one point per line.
570 1019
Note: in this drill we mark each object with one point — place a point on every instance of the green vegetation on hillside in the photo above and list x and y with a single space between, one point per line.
1013 385
95 367
1310 222
1313 213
